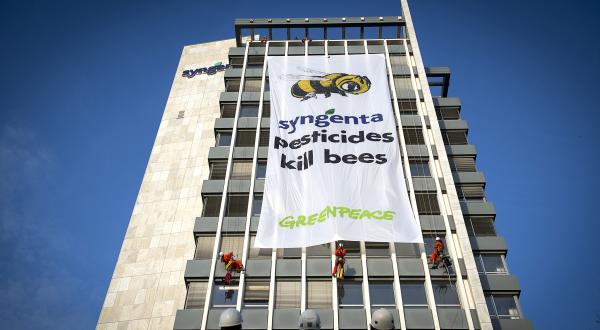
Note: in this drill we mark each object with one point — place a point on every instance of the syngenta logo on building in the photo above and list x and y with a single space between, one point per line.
217 67
334 169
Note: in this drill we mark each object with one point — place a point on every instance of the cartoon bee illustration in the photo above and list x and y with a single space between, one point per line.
309 86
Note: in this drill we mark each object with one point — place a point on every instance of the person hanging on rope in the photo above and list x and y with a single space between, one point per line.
340 254
438 252
231 264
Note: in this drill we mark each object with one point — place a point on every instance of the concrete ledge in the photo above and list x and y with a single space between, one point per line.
450 102
418 318
255 319
468 177
500 283
379 266
258 268
318 267
452 318
197 269
188 319
490 243
410 121
288 267
461 150
352 318
205 225
477 208
410 267
508 324
453 124
424 184
286 318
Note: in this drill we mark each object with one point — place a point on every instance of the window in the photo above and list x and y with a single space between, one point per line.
249 110
419 168
236 61
319 294
381 293
408 107
266 110
256 293
468 192
258 253
289 253
404 88
413 136
454 137
236 206
232 243
228 110
267 85
245 138
447 113
490 263
462 164
196 295
503 306
445 293
350 293
255 61
322 250
398 60
224 296
241 170
217 170
377 249
223 139
252 85
204 247
407 250
287 294
261 169
352 248
212 205
257 205
427 203
264 138
232 85
413 293
480 226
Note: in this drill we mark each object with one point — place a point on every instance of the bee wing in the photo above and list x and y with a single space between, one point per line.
309 70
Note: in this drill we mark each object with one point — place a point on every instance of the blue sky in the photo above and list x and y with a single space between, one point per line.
84 84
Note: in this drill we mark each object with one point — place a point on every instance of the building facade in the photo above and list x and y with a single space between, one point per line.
202 193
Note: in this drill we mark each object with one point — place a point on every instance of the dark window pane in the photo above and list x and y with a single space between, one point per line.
256 205
261 169
228 110
321 250
413 293
407 250
445 293
223 139
290 253
350 293
204 247
419 168
427 203
381 293
236 206
413 136
506 306
245 138
212 205
462 164
352 248
249 110
377 249
482 226
493 263
266 110
470 192
224 296
232 85
217 170
407 107
264 138
454 137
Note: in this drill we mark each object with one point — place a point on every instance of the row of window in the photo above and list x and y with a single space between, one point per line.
257 61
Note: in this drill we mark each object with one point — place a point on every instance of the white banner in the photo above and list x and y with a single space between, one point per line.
334 170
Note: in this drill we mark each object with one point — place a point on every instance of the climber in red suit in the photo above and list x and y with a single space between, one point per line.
340 254
438 251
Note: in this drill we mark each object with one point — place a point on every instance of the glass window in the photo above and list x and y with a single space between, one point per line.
413 293
448 113
454 137
319 294
403 87
350 293
266 110
444 293
261 169
223 139
263 140
232 243
241 170
228 110
224 296
381 293
470 192
290 253
322 250
212 205
408 107
217 170
480 226
503 306
252 85
427 203
490 263
257 205
236 205
287 294
245 138
232 85
377 249
249 110
257 293
352 248
196 295
407 250
413 136
462 164
419 168
258 253
204 247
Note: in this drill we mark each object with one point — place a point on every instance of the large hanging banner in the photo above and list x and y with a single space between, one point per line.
334 170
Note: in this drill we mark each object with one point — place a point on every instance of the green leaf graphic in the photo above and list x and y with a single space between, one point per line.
330 111
218 63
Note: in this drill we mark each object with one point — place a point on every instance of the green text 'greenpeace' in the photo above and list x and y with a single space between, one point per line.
292 222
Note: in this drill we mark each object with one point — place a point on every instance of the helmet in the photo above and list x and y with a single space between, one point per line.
340 244
438 238
309 320
230 317
382 319
220 254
